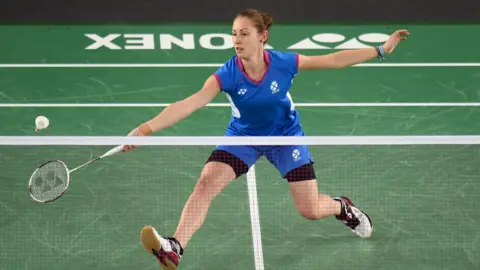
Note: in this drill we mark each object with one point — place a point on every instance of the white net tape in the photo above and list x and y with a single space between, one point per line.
221 140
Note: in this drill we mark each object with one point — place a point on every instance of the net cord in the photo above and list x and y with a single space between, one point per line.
243 140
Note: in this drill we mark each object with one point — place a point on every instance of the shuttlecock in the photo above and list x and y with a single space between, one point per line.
41 122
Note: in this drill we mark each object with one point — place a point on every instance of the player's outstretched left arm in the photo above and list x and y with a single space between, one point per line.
347 58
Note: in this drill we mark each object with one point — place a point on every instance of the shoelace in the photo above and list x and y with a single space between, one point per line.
175 247
351 220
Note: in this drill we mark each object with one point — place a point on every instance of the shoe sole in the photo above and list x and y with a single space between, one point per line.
152 245
371 226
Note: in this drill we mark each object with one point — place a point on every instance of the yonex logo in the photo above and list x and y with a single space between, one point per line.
242 91
274 87
296 155
338 41
163 41
223 41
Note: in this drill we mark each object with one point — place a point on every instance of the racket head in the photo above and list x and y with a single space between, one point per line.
49 181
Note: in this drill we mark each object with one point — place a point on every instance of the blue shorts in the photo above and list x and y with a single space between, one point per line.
284 157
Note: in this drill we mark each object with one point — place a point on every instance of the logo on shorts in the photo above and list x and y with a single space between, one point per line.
296 155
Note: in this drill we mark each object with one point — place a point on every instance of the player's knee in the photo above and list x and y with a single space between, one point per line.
202 185
205 184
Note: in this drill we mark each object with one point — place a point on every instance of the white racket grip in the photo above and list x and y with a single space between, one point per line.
113 151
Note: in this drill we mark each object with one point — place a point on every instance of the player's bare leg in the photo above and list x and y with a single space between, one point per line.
313 205
310 204
214 178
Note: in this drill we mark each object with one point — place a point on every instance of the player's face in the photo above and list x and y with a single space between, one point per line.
246 39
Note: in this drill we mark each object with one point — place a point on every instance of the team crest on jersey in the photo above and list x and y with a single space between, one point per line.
274 87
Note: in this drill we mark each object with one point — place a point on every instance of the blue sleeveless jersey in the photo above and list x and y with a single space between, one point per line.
265 107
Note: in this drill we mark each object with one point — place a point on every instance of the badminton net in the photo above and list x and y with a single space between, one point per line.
419 190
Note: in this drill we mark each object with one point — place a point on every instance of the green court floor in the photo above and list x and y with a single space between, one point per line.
422 199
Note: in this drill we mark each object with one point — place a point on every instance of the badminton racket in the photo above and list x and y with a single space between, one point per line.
51 179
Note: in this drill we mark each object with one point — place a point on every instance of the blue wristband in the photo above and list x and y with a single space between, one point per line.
381 52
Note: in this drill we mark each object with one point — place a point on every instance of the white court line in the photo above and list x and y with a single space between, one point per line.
173 65
326 104
255 218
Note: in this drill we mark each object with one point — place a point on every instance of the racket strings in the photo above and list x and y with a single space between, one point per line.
49 181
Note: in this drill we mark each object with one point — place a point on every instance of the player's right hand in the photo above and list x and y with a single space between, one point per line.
134 132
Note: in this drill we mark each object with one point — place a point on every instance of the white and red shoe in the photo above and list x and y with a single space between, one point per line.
167 250
359 222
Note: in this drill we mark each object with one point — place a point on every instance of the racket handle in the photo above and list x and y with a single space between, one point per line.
113 151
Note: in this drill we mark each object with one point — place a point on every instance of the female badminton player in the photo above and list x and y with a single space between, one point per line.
257 81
